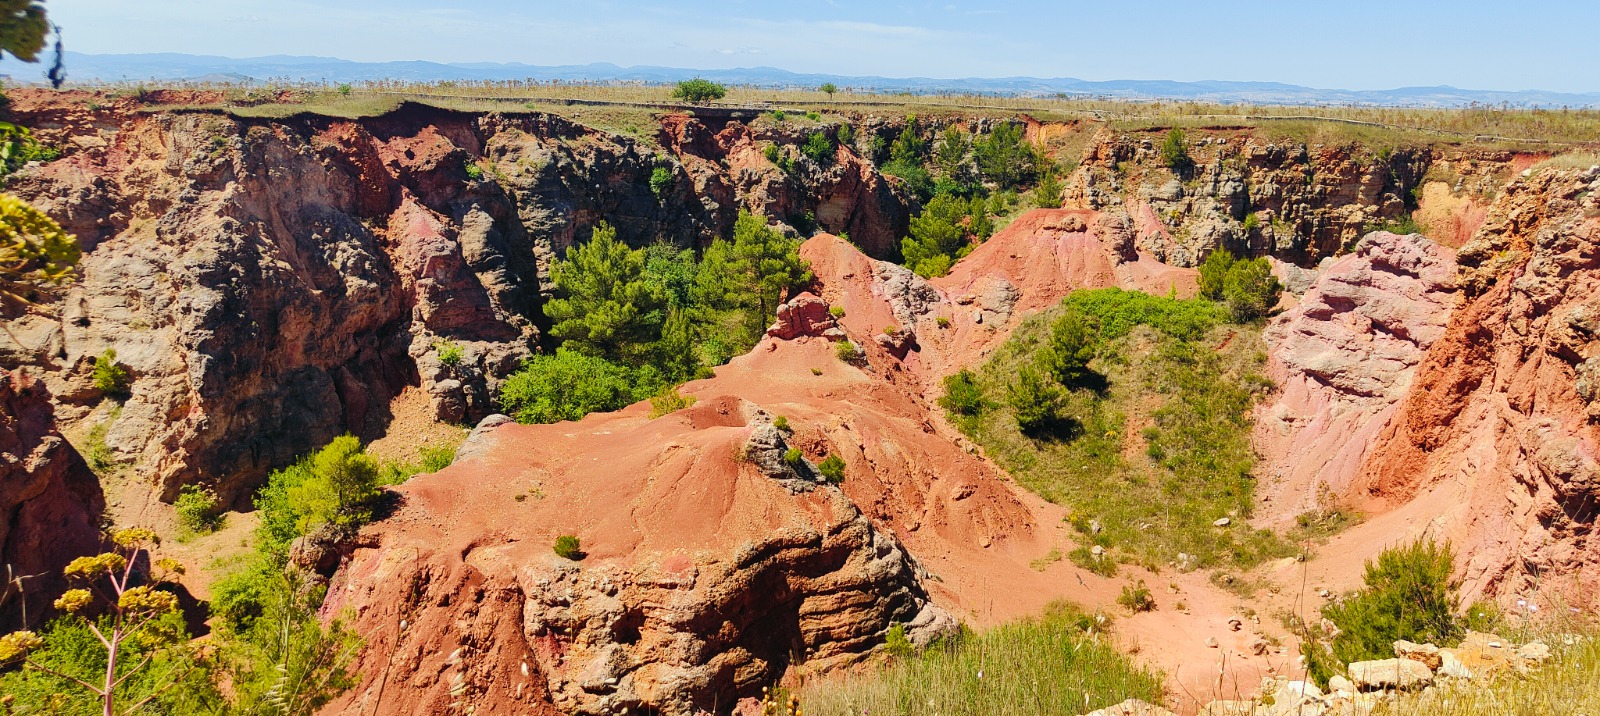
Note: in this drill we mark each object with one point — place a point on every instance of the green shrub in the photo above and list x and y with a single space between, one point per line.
1214 273
1251 223
1103 564
828 88
895 643
962 396
345 89
669 400
793 456
942 322
474 172
1005 157
450 352
660 181
832 468
836 311
1408 593
846 134
1035 400
1047 195
1137 598
699 90
781 423
819 148
101 458
568 386
1116 312
1403 225
1073 340
778 115
197 510
110 377
568 547
814 116
1175 151
916 178
1251 290
847 351
944 232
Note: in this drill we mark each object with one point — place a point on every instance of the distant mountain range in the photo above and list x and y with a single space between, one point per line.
86 68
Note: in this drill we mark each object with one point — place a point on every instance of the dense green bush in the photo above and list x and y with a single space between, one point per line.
1005 157
792 457
848 352
1408 593
660 181
637 321
944 232
1214 273
962 398
1072 343
197 510
569 385
699 90
1047 194
110 377
818 148
832 468
1116 312
1035 400
1250 289
450 352
568 547
1175 151
605 306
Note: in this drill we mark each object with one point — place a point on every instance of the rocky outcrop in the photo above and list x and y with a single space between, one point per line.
842 194
803 315
705 578
1343 357
272 284
50 503
1495 418
1299 202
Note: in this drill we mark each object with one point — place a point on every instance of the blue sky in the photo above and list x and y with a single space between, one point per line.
1354 44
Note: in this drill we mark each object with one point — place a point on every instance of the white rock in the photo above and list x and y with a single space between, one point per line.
1223 522
1340 684
1450 665
1390 674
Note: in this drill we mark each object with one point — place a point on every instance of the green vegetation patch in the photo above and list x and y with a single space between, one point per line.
1133 411
1058 663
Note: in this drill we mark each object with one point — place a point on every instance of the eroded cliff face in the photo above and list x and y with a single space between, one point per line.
1296 201
1502 413
271 284
50 503
1343 357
